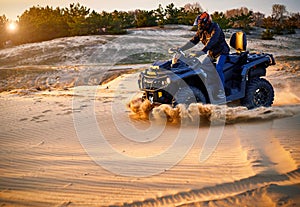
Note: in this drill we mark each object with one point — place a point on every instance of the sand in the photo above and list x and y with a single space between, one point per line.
45 160
91 145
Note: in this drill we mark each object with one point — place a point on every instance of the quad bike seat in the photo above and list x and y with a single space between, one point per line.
238 41
232 58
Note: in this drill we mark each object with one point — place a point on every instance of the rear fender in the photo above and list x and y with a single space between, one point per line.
257 67
257 72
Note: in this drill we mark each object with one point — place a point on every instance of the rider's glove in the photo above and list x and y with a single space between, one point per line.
172 50
197 54
200 53
187 46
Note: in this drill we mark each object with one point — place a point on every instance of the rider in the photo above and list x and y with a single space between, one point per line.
213 38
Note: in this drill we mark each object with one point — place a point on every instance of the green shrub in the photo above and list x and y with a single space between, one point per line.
267 35
291 31
116 31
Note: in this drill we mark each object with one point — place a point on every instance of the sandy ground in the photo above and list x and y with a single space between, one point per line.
45 161
84 146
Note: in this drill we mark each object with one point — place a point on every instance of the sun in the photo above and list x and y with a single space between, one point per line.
12 26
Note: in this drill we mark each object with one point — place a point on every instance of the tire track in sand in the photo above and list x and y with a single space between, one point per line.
220 191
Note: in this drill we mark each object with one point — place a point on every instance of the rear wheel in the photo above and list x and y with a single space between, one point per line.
259 92
188 95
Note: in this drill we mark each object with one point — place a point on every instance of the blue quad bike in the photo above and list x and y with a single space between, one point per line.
186 80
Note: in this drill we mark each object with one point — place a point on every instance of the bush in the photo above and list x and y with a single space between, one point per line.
267 35
291 31
116 31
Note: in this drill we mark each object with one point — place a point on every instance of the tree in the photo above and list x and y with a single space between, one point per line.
240 18
258 19
292 23
108 23
94 23
117 23
3 23
194 8
189 12
278 12
294 20
278 16
127 19
145 18
76 18
39 24
106 19
221 19
160 15
243 21
268 23
236 12
172 14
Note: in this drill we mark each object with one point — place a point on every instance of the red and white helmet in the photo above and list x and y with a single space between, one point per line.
203 20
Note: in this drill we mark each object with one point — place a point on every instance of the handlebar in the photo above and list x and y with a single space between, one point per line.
176 50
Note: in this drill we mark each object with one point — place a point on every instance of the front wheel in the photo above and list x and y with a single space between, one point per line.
188 95
259 92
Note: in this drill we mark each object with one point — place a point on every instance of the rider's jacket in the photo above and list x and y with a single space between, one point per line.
214 40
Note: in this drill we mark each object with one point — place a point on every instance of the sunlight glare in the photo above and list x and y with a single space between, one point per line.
12 27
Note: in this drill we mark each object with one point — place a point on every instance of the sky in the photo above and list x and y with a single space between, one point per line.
13 8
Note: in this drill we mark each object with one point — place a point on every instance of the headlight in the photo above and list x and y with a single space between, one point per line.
168 80
154 67
174 60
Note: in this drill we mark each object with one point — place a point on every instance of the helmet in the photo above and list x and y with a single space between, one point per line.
203 20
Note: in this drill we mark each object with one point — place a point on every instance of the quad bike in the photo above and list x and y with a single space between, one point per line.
185 79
